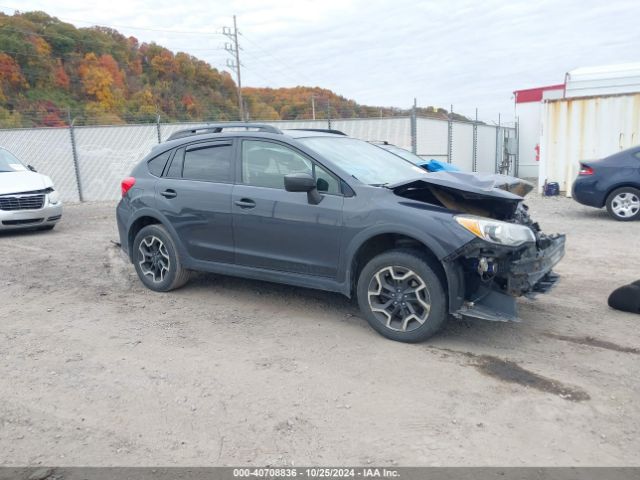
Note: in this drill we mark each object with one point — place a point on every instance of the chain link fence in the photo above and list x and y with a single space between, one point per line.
87 163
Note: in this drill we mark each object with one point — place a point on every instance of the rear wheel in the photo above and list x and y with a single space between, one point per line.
401 296
156 260
623 204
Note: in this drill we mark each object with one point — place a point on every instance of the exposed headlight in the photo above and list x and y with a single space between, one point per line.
494 231
54 197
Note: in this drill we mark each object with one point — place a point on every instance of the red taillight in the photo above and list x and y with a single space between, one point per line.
126 185
585 170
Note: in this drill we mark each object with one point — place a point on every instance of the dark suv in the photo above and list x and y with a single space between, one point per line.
321 210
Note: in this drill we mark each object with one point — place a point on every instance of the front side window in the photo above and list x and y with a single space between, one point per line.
264 164
208 163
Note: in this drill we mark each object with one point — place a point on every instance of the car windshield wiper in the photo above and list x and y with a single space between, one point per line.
379 184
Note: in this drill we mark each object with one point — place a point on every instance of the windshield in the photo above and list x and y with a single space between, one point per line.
9 163
406 154
369 164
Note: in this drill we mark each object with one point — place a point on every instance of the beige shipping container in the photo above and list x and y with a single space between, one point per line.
585 128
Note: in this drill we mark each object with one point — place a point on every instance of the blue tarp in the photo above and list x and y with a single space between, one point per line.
436 166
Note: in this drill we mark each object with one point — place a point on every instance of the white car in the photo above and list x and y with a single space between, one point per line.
27 198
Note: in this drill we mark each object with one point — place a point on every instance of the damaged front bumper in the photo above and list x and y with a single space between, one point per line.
494 276
531 275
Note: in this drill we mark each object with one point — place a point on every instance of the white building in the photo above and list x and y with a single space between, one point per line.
594 113
529 114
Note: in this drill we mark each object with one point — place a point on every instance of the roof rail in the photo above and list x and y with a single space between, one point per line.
219 127
324 130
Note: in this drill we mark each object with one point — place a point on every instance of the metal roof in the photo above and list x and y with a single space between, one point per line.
603 80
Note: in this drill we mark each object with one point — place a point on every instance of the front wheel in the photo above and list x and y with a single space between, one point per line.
401 296
623 204
156 260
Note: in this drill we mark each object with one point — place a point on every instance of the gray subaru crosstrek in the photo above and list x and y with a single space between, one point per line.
321 210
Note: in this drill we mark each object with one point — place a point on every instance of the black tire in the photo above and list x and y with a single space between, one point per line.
613 200
402 261
167 273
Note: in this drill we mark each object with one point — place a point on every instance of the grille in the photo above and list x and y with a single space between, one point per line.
18 202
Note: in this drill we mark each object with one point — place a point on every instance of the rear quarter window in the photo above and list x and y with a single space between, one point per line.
156 165
175 169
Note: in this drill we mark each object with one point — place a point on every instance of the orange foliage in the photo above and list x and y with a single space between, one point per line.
41 46
110 65
164 63
10 72
60 76
97 81
187 101
135 67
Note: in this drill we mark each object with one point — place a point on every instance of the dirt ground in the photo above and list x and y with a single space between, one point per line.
97 370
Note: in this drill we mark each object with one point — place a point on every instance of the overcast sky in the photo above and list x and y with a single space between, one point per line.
466 53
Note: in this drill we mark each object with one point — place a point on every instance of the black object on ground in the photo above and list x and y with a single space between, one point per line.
626 298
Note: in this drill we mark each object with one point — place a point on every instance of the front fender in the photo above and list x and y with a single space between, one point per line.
440 247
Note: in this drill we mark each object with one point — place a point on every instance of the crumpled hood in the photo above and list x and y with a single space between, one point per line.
463 192
466 183
27 181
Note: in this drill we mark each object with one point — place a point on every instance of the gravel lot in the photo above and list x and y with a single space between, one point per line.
97 370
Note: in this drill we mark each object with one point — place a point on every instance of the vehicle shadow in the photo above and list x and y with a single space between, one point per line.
23 233
272 291
454 331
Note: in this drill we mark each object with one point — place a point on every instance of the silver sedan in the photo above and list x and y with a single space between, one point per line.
27 199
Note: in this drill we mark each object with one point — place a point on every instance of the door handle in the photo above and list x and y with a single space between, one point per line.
245 203
169 193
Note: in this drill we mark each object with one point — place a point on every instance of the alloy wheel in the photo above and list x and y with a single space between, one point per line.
625 204
399 298
154 261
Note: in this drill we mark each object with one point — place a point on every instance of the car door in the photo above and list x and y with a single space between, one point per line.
280 230
194 194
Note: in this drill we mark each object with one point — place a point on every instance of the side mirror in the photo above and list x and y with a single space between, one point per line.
32 168
303 182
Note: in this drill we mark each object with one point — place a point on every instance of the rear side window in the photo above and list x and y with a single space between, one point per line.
156 165
209 163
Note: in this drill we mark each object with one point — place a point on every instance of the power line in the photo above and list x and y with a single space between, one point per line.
269 65
255 71
288 67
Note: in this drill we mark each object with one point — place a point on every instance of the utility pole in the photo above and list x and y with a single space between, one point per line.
313 106
234 50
